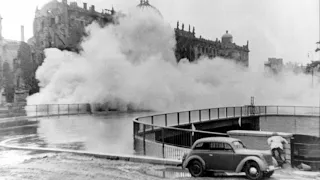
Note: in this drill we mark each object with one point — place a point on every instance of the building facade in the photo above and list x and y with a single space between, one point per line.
191 47
9 76
61 25
274 65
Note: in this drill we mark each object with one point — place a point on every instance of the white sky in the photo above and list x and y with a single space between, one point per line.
285 29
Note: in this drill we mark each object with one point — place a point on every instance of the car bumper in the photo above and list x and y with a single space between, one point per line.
272 168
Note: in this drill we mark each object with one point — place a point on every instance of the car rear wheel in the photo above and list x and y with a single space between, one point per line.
253 171
196 169
268 174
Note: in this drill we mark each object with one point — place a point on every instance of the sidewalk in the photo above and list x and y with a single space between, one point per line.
309 174
296 172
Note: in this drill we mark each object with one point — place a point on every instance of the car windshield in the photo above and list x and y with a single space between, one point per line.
238 145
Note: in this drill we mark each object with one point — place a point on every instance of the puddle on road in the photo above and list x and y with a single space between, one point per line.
37 141
14 157
178 173
168 173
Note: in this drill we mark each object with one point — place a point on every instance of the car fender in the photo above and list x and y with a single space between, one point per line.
193 157
262 165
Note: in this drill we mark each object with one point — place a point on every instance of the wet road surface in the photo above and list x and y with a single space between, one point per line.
91 133
30 165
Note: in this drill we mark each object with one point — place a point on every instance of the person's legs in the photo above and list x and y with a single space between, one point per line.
273 152
276 153
281 156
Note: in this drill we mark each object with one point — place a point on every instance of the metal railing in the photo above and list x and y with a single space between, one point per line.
45 110
158 135
165 142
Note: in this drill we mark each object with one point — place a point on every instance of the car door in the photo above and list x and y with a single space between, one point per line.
221 156
203 150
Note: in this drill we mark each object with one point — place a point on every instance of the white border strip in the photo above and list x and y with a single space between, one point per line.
131 158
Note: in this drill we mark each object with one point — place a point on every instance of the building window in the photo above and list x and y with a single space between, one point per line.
42 25
52 21
18 81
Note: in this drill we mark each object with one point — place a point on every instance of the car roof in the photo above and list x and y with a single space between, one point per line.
217 139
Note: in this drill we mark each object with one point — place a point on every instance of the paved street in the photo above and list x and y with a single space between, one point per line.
29 165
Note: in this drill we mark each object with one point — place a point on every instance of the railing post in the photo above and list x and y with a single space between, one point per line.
292 142
226 112
189 117
152 123
265 111
234 111
200 115
209 114
165 120
36 110
241 111
58 109
47 109
163 153
191 141
78 109
178 118
144 139
134 135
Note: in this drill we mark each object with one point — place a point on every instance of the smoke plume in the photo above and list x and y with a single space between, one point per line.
131 65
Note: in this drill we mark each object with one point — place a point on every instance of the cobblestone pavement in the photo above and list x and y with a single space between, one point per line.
30 165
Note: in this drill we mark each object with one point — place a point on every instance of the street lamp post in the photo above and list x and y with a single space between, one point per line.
318 49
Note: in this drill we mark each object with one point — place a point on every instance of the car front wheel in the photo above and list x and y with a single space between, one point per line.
253 171
196 169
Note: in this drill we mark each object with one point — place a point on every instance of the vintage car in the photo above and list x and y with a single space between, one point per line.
225 154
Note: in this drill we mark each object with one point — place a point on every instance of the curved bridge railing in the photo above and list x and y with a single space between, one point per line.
158 135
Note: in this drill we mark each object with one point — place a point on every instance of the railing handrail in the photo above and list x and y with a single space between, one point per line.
184 111
245 106
180 129
56 104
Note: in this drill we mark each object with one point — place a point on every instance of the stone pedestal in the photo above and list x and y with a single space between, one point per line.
3 98
20 96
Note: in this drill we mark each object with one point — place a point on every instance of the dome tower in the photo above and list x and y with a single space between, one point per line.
227 38
145 5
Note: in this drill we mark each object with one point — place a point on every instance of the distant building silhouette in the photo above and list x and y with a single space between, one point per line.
274 65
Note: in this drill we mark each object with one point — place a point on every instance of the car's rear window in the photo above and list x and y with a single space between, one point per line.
238 145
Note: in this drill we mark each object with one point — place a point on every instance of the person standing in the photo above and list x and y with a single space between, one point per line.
276 144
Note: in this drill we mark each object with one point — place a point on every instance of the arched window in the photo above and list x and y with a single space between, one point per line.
18 81
42 24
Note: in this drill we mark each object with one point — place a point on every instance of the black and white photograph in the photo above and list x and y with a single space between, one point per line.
159 89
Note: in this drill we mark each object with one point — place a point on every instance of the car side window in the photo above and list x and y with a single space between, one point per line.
219 146
202 146
227 147
216 146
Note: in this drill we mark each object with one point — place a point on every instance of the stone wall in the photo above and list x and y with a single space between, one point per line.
308 125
